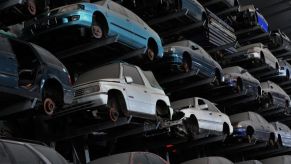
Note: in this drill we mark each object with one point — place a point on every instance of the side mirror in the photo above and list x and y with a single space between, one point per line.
128 79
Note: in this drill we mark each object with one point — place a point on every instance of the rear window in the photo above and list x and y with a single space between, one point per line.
111 71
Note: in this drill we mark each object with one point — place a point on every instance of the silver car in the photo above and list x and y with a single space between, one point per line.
274 96
249 162
252 126
209 160
254 53
284 134
201 118
285 159
242 81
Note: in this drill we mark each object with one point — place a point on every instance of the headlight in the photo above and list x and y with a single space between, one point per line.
71 8
170 49
256 55
91 89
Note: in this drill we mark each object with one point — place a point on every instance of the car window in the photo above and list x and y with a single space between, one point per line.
22 154
4 156
152 80
117 8
111 71
200 102
133 73
46 56
261 119
50 154
239 117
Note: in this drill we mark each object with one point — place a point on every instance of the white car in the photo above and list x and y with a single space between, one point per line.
121 89
284 134
209 160
285 159
249 162
255 53
200 116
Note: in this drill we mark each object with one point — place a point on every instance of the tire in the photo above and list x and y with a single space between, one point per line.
161 113
226 129
272 140
52 101
186 64
250 135
113 104
239 86
151 54
279 143
97 30
191 128
31 7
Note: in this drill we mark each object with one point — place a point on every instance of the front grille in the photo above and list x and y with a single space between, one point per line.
79 92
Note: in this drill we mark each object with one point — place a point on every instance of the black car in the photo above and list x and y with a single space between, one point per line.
27 70
30 152
12 12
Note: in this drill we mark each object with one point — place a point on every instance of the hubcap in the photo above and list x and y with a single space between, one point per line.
31 7
97 31
49 106
150 54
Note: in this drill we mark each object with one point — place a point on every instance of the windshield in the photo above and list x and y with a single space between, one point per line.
152 80
111 71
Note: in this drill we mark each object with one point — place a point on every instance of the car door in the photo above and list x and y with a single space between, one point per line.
206 117
217 117
137 94
139 30
119 21
8 65
265 126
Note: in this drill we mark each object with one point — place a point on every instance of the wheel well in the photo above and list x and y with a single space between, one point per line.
262 56
259 90
187 56
239 82
119 95
272 136
99 16
277 66
56 88
226 129
165 110
152 43
250 130
194 119
218 74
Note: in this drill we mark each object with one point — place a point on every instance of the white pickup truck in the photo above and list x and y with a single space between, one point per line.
121 89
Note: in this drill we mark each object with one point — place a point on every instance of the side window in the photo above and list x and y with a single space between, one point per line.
117 8
201 102
133 73
22 154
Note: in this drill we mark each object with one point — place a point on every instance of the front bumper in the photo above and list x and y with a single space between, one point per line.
81 18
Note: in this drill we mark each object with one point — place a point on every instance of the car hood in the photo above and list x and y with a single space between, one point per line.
100 80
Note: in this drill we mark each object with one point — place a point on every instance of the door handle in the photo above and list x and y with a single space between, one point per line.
127 20
210 113
145 91
220 115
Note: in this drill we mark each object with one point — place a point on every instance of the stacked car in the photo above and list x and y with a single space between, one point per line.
207 73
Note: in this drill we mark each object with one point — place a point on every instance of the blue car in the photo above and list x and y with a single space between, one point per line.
186 56
29 71
101 19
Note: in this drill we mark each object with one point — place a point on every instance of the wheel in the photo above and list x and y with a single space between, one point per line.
52 101
97 30
269 102
239 86
49 106
150 54
31 7
114 108
272 140
162 113
250 135
191 128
